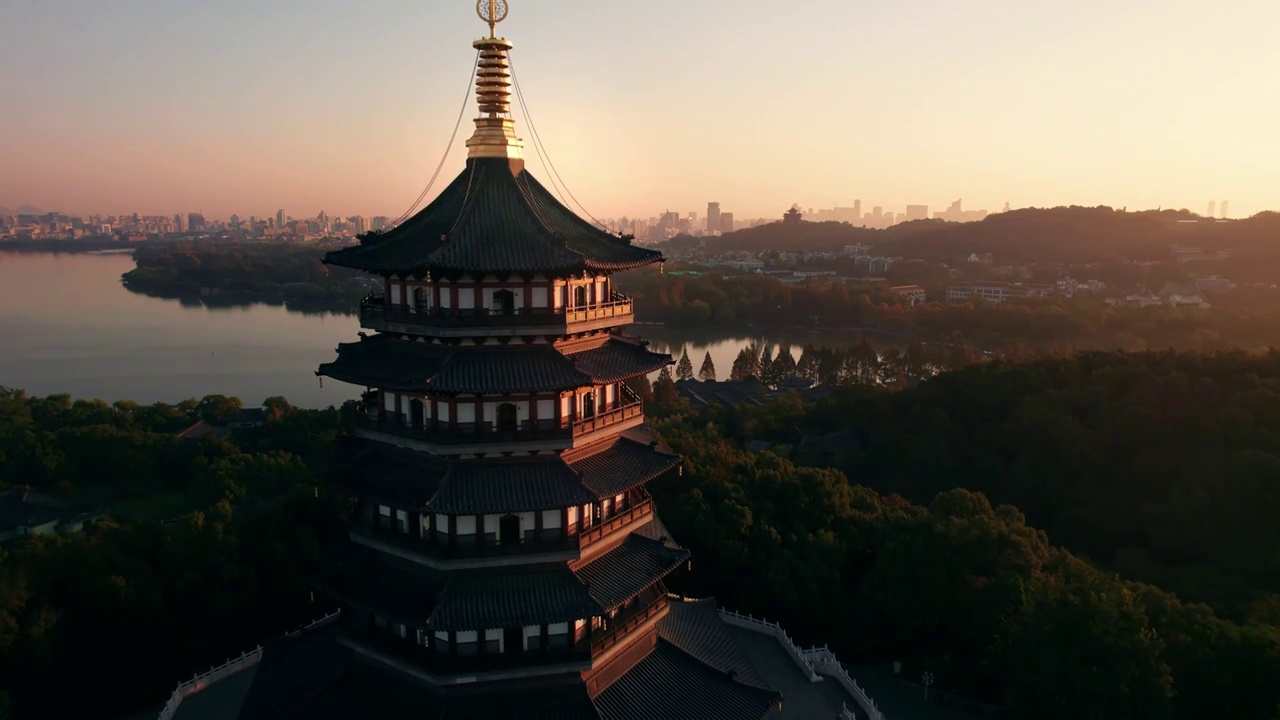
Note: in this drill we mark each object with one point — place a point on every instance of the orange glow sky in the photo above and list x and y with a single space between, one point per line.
247 106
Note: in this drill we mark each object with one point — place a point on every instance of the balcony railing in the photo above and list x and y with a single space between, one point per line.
630 408
598 532
466 547
433 660
458 433
626 621
374 308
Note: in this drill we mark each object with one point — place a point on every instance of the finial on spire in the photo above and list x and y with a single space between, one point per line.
495 132
492 12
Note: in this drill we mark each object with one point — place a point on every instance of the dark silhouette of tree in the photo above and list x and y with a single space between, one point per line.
684 370
707 373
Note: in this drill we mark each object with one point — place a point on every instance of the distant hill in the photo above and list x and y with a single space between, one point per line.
1062 234
21 210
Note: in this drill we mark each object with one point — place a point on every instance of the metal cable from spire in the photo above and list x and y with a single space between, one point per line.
542 149
447 148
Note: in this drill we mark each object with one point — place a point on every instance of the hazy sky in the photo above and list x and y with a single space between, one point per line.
160 106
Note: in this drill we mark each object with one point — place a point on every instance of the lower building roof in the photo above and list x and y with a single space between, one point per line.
671 684
695 627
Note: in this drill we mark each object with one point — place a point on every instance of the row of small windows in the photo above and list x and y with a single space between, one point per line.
508 529
499 301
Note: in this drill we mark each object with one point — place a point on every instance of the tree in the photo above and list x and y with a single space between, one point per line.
707 373
684 370
743 365
664 388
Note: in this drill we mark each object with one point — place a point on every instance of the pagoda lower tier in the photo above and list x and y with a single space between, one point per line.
687 666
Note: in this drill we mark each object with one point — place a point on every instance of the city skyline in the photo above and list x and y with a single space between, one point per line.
123 109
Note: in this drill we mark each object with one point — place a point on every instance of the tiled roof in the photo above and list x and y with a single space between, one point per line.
618 359
624 571
489 220
695 627
402 478
474 601
292 672
673 685
418 481
479 487
385 362
622 466
399 589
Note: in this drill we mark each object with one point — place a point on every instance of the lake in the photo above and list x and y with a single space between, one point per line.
67 325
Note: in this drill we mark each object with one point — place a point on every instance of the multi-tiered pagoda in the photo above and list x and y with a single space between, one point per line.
505 559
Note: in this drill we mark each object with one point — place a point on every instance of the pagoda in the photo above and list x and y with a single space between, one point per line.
504 558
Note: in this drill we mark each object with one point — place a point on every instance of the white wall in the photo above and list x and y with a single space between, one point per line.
550 519
466 524
466 298
466 412
389 402
495 634
540 297
531 631
395 293
491 524
527 522
546 409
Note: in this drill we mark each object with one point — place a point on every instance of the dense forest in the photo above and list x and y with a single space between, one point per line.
231 271
1083 537
1071 537
208 552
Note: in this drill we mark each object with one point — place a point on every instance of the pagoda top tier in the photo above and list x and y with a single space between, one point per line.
493 219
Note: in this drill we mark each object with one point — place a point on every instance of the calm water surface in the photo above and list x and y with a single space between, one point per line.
67 325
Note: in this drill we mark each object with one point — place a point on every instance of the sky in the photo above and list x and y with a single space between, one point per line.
248 106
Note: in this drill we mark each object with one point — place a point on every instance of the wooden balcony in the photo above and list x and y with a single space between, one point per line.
377 314
444 660
467 437
625 622
630 408
619 521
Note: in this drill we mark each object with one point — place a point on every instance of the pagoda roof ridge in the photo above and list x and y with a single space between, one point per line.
391 363
415 480
493 218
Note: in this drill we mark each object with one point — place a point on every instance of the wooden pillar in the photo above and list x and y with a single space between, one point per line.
528 296
564 522
480 411
453 530
480 538
537 526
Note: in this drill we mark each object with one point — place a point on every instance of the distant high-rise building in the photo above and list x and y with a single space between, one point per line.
359 224
857 212
713 217
195 222
280 218
1224 208
179 224
917 212
726 222
1213 209
380 222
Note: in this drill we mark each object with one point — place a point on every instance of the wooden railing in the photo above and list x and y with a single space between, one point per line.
453 433
465 550
375 308
626 517
625 623
631 408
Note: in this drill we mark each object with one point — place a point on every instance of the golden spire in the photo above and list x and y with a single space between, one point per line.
495 134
